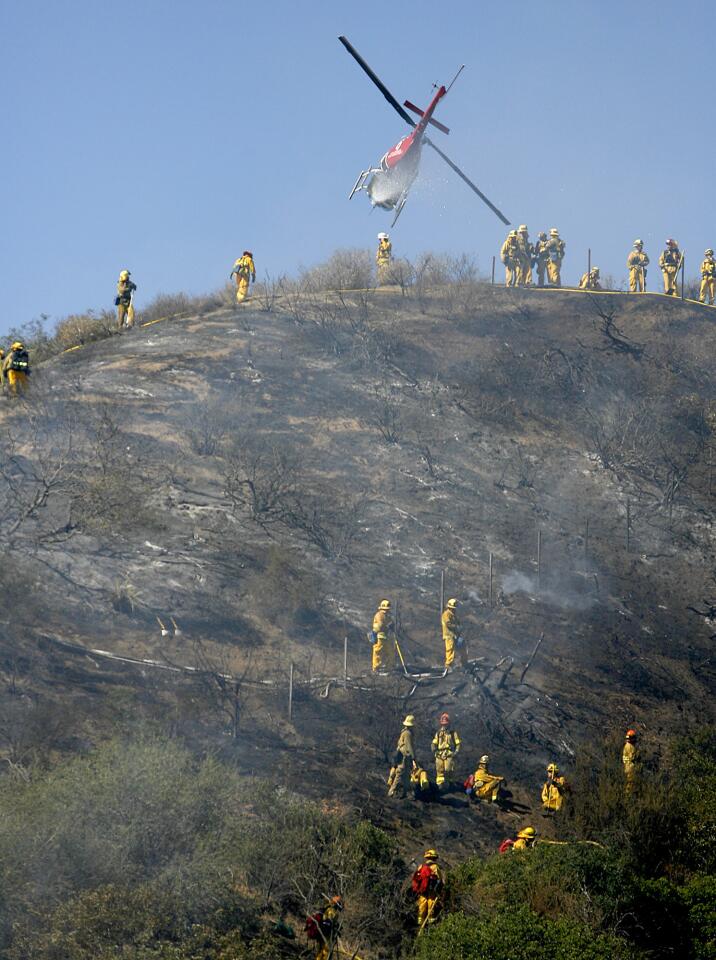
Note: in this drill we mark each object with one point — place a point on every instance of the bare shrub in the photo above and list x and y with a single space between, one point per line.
348 269
331 523
207 426
385 416
259 478
81 328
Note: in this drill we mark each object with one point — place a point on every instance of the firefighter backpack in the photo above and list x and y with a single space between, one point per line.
313 925
506 845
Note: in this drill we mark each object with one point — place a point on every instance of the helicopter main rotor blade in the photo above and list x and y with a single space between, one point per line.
377 81
468 181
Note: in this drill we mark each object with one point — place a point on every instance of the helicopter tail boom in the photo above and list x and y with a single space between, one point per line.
421 113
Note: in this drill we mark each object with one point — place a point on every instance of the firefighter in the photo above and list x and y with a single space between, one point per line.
708 278
555 253
2 372
16 368
526 839
509 254
383 258
590 281
637 261
451 635
404 760
553 790
245 273
446 745
124 301
485 785
525 252
324 927
540 257
382 638
428 884
631 761
670 263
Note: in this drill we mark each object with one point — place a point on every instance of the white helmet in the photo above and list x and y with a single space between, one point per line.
554 232
383 236
638 243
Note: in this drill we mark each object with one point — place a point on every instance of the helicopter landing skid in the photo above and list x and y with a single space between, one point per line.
399 208
360 182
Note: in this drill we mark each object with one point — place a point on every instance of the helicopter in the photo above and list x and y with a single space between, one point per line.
388 185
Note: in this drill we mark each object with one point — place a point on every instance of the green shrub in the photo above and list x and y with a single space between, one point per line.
517 934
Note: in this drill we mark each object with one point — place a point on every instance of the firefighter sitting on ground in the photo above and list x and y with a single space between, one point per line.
383 258
670 263
637 262
323 929
526 839
428 884
708 278
382 638
404 761
446 745
483 785
590 281
16 368
553 790
245 273
451 635
124 301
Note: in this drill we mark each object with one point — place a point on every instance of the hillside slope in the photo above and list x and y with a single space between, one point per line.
264 477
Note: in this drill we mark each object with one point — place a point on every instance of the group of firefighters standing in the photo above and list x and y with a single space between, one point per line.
385 645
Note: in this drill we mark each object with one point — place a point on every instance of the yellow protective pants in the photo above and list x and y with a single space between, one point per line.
554 272
17 381
450 648
510 273
636 279
670 280
242 288
524 273
400 782
125 315
383 653
383 269
444 769
326 950
487 789
428 909
708 289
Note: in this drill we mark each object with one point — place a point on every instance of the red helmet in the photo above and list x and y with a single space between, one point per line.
444 719
630 734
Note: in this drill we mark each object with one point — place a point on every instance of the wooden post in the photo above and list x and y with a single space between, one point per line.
532 656
628 530
589 260
539 558
493 271
490 587
442 591
290 691
345 661
683 264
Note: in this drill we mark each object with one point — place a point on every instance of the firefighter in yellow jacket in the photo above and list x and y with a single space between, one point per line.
631 760
509 254
553 790
590 281
526 839
670 263
555 255
124 301
429 886
404 761
445 746
328 926
637 262
382 637
383 258
245 273
708 278
525 252
16 368
485 785
451 635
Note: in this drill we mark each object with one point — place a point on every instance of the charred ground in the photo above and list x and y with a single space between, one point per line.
265 476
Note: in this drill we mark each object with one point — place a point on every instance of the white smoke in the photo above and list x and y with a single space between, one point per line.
517 582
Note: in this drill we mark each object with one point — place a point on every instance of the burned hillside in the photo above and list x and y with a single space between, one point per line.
233 492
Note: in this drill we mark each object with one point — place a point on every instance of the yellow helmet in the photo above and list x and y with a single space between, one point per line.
124 275
595 271
452 603
409 721
430 855
522 228
552 768
554 232
18 345
384 605
527 833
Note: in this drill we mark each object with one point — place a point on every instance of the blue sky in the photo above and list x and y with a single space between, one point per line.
167 136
